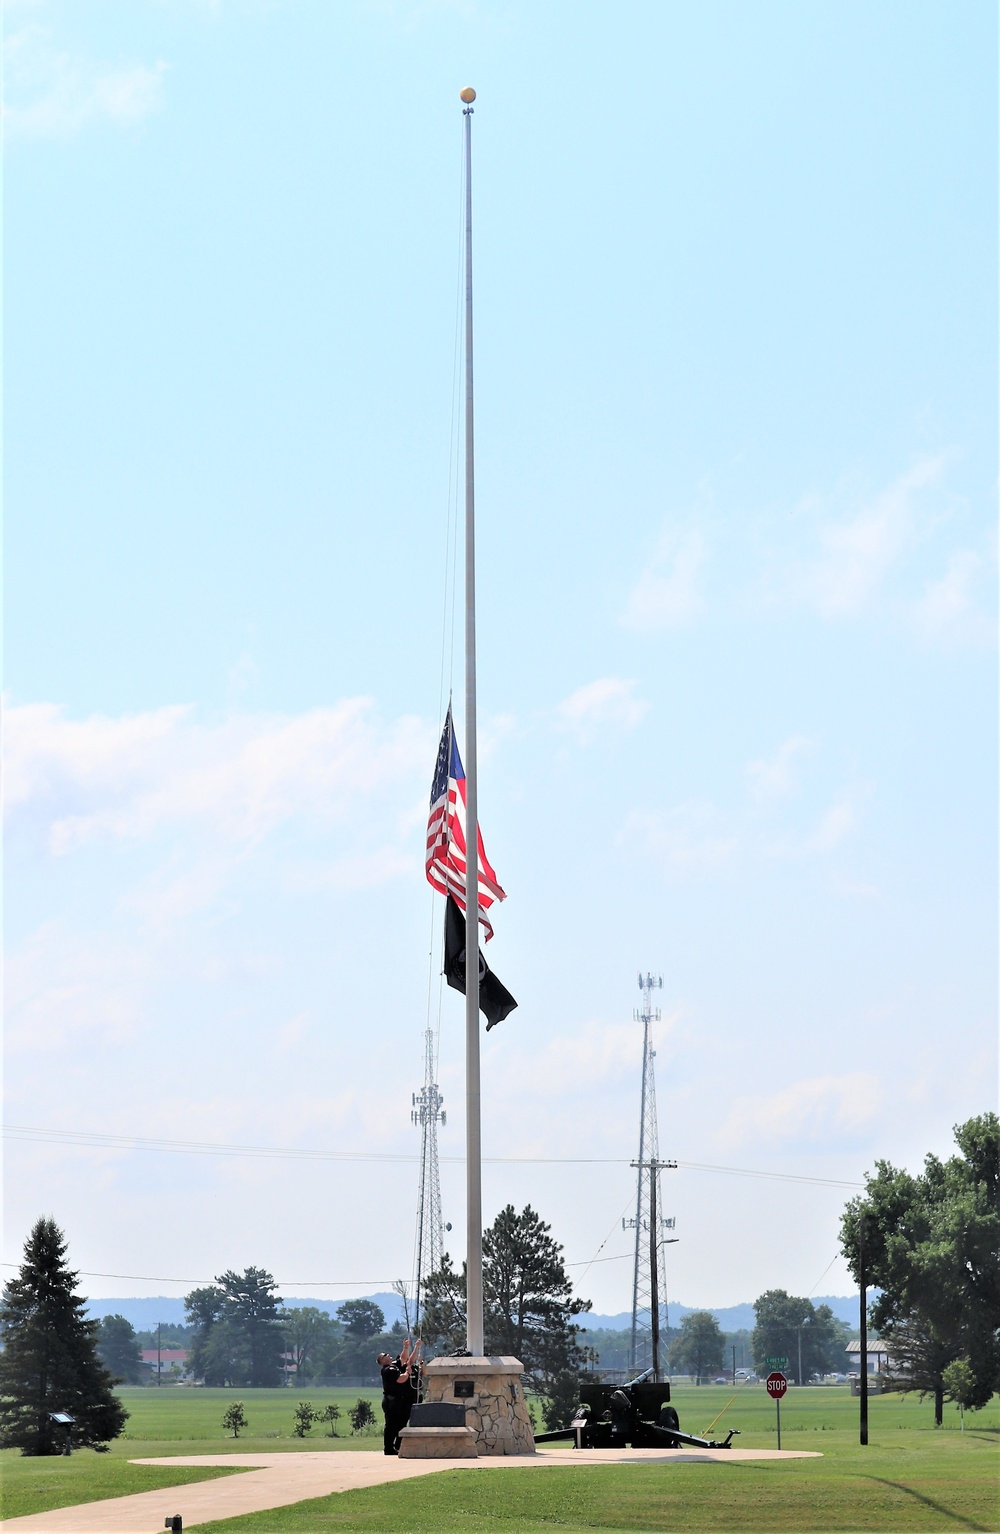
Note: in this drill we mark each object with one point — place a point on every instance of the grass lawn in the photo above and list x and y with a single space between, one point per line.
177 1414
173 1420
911 1477
29 1485
943 1483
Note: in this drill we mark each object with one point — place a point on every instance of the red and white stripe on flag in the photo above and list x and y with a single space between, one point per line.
446 856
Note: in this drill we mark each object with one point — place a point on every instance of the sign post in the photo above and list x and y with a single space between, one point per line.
776 1387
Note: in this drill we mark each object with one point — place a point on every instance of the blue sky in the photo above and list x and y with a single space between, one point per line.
736 453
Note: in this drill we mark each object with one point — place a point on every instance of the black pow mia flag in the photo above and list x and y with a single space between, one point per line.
495 1001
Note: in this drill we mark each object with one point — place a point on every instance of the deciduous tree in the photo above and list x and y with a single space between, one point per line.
310 1336
698 1348
777 1334
931 1247
959 1380
203 1308
361 1319
118 1349
49 1361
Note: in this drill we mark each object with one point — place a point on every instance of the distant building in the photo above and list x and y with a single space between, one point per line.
170 1358
879 1358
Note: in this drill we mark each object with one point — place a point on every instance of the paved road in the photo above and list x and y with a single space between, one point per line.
275 1480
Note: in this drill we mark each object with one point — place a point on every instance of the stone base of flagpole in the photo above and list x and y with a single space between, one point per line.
492 1393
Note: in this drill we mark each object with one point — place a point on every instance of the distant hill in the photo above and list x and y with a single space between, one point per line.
732 1318
144 1313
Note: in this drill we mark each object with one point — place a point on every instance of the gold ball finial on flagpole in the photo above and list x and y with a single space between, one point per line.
468 95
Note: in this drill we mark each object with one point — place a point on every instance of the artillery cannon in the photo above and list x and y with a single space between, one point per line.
637 1413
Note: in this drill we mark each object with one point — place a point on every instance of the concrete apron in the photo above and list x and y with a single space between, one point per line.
277 1480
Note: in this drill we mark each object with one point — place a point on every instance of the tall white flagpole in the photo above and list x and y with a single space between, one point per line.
473 1127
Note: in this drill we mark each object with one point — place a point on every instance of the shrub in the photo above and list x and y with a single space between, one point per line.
361 1415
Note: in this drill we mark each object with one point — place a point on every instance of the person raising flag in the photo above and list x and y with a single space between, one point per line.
399 1391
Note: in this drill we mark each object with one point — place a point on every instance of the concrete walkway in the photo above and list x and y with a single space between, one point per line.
276 1480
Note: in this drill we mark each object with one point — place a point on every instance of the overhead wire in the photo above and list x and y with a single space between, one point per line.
823 1275
597 1255
280 1283
118 1142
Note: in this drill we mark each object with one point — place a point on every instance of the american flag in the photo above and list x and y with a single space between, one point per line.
446 845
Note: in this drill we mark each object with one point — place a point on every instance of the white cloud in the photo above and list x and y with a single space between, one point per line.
835 825
127 778
774 777
818 1109
608 701
409 15
62 988
690 837
43 749
591 1059
50 93
857 554
667 594
949 607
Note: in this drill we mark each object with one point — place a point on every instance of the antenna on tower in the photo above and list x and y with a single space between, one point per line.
649 1224
427 1114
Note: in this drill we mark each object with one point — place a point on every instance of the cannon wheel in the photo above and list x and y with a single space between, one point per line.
669 1419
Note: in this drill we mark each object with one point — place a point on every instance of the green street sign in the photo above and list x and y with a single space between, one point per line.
777 1363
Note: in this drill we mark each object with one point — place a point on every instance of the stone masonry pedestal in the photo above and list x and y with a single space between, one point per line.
491 1391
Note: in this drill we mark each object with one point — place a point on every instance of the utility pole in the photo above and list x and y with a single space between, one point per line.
863 1286
804 1322
427 1114
157 1352
654 1277
646 1286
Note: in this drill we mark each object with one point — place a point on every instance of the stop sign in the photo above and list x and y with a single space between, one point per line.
776 1384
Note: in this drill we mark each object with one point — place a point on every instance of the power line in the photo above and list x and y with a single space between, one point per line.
283 1283
283 1153
280 1283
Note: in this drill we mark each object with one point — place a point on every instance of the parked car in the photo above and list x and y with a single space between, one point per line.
721 1379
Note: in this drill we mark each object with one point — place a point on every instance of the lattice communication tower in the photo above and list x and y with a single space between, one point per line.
648 1285
427 1114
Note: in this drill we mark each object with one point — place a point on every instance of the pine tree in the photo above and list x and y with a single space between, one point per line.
49 1362
238 1338
528 1306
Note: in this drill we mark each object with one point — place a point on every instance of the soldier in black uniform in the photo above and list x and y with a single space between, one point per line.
398 1392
